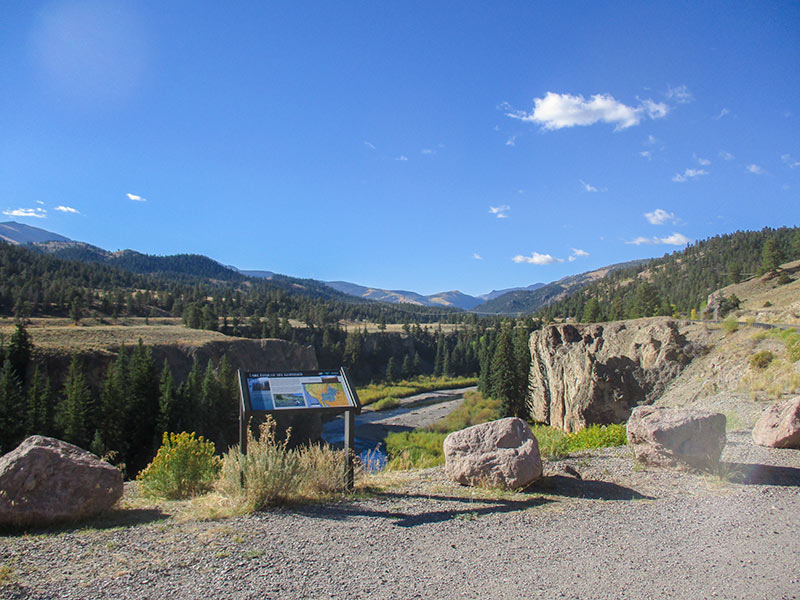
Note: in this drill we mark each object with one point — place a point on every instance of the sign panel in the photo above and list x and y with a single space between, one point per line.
276 391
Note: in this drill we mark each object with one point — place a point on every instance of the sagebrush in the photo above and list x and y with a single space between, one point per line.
184 466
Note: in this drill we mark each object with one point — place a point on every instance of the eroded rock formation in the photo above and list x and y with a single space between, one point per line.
596 373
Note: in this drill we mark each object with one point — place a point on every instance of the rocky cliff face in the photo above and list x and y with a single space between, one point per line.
595 374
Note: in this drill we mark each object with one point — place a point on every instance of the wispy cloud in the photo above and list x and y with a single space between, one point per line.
688 174
577 253
369 145
659 216
512 141
755 169
726 155
402 157
135 198
556 111
500 211
788 160
722 113
676 239
537 259
647 154
38 213
680 94
67 209
588 187
427 151
702 161
477 256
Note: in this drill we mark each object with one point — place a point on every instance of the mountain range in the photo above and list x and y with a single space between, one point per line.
505 301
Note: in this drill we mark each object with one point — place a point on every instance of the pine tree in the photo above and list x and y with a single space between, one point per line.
771 256
40 405
114 406
503 378
167 403
438 363
12 409
19 350
522 357
405 370
75 410
591 311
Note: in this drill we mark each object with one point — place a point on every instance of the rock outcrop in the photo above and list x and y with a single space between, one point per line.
779 425
45 480
668 437
595 374
500 453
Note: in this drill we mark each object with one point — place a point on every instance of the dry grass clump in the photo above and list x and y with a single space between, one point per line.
271 473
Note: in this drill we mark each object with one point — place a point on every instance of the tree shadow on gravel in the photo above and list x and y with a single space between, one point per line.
114 518
571 487
756 474
476 507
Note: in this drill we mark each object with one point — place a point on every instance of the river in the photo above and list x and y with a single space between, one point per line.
372 426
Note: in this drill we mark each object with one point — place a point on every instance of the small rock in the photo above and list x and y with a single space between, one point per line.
779 425
503 452
45 480
669 436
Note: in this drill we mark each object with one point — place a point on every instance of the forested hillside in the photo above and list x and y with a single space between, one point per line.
680 282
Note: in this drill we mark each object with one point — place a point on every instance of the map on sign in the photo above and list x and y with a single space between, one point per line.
287 391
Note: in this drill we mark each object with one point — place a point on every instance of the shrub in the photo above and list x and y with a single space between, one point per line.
597 436
414 449
761 360
730 325
271 473
386 403
183 466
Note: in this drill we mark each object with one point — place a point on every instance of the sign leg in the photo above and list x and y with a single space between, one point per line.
349 445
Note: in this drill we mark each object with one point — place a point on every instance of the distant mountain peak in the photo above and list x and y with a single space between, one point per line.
19 233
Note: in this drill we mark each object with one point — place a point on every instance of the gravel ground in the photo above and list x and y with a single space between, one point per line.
619 531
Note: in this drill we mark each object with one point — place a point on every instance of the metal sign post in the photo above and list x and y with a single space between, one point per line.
272 393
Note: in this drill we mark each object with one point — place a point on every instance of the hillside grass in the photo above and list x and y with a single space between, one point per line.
374 392
422 448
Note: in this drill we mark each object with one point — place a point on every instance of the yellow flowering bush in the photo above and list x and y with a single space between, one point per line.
184 466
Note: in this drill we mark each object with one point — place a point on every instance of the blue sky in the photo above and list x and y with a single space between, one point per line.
406 145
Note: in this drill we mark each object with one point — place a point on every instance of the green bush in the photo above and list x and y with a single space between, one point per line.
414 449
386 403
183 466
597 436
730 325
790 339
761 360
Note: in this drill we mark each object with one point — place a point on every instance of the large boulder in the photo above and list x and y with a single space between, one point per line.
583 375
668 437
500 453
44 480
779 425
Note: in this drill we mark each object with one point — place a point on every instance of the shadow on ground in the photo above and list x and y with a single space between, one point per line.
571 487
118 517
755 474
544 491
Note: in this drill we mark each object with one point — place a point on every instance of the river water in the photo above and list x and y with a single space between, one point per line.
372 427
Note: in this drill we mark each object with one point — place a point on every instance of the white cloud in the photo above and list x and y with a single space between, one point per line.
402 157
556 111
369 145
702 161
426 151
659 216
500 211
136 198
726 155
788 160
680 94
676 239
588 187
647 154
477 256
579 252
537 259
688 174
40 202
67 209
722 113
651 139
755 169
38 213
655 110
512 141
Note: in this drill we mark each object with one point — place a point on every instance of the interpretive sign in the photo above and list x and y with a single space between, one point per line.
280 391
294 392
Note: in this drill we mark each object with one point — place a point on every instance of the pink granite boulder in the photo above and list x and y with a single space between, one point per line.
779 425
